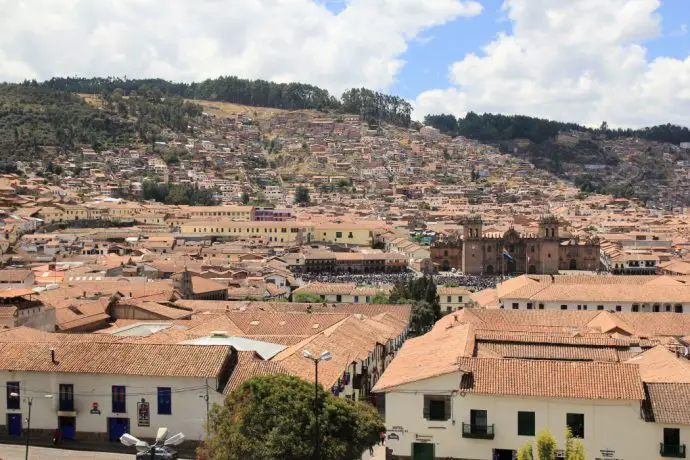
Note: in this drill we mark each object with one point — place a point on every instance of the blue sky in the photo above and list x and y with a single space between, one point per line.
429 57
573 60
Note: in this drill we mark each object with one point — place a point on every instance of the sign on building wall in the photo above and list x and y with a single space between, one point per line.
143 413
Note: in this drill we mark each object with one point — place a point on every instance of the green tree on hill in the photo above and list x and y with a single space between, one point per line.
302 196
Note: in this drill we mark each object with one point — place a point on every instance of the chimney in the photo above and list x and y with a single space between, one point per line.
52 356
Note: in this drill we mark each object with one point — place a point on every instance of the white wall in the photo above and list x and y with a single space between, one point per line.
188 408
591 305
609 425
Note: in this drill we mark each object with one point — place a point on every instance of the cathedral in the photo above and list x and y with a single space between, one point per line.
479 253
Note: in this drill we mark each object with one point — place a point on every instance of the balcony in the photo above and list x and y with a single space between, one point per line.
672 450
477 431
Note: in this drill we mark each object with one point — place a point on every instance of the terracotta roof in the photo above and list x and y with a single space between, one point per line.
659 365
272 323
201 285
116 358
430 355
549 351
551 379
248 366
670 402
14 276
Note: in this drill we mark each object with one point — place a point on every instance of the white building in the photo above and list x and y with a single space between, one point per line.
610 293
98 391
446 400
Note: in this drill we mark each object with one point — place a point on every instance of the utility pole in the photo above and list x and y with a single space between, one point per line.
30 401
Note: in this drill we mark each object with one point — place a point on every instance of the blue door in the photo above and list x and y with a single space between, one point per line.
67 427
117 427
14 425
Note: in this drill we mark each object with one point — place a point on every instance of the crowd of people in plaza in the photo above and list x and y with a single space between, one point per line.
472 282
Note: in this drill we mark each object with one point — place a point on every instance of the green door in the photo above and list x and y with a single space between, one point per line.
422 451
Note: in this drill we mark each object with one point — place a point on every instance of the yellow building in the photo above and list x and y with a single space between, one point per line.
354 233
208 212
281 232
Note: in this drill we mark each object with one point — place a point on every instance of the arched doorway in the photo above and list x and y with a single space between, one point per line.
532 270
489 269
573 264
445 266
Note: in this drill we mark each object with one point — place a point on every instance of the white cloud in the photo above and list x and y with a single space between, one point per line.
284 40
571 60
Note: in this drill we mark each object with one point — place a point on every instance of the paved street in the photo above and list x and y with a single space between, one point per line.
379 454
15 452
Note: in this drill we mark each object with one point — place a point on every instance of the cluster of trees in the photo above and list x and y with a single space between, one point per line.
547 448
302 196
185 194
426 305
274 418
495 127
33 117
375 107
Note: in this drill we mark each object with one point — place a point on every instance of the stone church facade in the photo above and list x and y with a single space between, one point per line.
477 253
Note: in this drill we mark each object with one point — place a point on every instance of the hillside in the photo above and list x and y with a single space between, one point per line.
32 118
647 164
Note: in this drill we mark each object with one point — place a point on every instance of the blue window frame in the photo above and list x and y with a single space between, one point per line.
119 399
164 401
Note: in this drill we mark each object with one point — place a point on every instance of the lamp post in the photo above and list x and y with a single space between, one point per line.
325 356
30 402
158 447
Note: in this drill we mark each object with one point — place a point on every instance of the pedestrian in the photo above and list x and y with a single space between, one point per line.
56 436
382 438
371 451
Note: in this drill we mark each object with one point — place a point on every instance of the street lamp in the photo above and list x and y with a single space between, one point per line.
30 401
325 356
162 441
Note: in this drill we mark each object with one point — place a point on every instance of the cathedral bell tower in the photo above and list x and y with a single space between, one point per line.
472 245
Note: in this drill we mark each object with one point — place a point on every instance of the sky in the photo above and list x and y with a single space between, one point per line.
626 62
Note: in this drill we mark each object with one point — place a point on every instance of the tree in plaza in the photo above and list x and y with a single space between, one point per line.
546 446
422 318
245 198
272 418
302 195
525 452
574 448
380 298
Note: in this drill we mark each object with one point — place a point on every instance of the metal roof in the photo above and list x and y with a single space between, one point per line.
266 350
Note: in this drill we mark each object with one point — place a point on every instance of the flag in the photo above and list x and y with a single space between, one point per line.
506 254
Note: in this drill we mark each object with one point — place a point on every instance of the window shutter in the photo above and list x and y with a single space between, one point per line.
447 408
426 407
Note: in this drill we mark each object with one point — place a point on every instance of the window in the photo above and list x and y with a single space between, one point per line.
66 402
515 305
668 307
449 299
338 234
584 307
525 423
529 305
445 253
564 307
600 307
671 439
164 401
479 420
619 308
356 299
635 307
531 249
338 298
460 298
119 399
678 308
656 307
449 309
541 306
576 423
13 401
436 408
